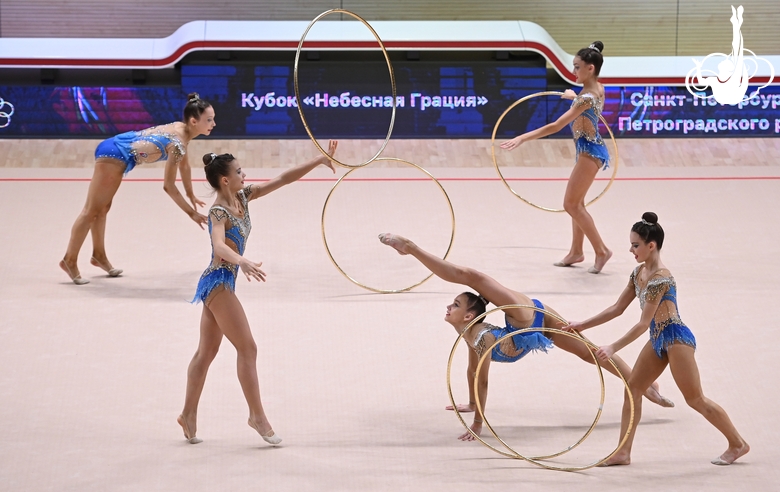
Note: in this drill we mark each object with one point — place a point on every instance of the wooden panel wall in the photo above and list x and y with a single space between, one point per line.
449 153
627 27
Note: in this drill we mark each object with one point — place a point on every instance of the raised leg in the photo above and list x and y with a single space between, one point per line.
450 272
581 179
686 375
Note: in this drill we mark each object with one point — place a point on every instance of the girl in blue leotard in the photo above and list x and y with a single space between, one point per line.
229 226
671 342
115 157
468 306
591 154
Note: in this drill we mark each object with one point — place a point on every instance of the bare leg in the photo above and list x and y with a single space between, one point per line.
580 350
450 272
646 370
98 233
575 254
686 375
581 179
230 317
106 179
210 339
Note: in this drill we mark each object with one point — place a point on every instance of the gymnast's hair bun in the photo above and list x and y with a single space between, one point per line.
209 158
597 45
650 218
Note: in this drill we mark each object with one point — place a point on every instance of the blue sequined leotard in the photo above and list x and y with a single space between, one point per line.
140 147
516 347
666 328
222 273
585 129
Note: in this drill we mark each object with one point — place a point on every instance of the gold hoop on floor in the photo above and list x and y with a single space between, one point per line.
298 92
503 179
536 460
325 239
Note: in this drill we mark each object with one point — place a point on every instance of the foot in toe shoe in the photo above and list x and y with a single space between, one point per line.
270 437
76 279
396 242
112 272
187 435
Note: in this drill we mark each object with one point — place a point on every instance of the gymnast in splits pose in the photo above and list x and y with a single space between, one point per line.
116 157
591 154
223 315
671 342
467 306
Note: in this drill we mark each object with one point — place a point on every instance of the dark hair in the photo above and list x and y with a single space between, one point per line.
476 303
195 106
592 55
216 167
649 229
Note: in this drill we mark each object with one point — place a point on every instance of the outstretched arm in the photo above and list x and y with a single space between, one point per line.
169 185
612 312
605 352
292 175
476 425
472 404
549 129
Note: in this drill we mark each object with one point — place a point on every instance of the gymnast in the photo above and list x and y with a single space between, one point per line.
591 154
468 306
116 157
671 342
222 314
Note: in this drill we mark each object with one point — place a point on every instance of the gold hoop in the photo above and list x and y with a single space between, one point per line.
536 460
325 239
298 93
495 162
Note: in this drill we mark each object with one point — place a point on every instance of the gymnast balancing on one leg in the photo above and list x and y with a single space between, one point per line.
119 155
592 154
671 342
229 226
468 306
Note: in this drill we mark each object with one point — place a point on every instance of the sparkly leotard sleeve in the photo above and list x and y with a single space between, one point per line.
222 274
585 129
666 328
140 147
513 348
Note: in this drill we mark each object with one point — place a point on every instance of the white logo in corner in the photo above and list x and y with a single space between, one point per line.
730 83
6 110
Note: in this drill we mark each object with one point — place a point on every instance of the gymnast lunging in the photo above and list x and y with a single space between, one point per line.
116 157
591 154
223 315
467 306
671 342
